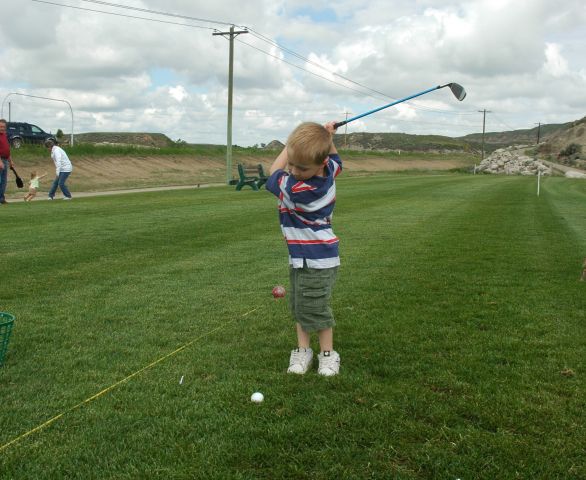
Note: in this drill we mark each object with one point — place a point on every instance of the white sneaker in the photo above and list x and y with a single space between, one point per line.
329 363
67 198
300 360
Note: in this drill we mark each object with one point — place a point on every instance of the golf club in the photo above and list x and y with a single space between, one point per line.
457 90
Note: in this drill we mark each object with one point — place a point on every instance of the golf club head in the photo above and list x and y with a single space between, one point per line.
458 91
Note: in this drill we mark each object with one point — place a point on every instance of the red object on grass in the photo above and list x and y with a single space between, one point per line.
279 291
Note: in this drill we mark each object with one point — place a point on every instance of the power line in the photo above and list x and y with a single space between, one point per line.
301 57
382 98
305 70
181 24
503 123
155 12
377 94
122 15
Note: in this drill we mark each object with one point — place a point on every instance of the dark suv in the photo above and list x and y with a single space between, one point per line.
20 133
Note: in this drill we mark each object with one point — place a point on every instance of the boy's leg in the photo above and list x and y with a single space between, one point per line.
313 292
292 290
326 339
303 337
301 357
329 359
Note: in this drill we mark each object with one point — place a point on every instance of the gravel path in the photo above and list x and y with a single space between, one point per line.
58 196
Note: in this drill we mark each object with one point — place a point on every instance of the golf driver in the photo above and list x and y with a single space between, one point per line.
457 90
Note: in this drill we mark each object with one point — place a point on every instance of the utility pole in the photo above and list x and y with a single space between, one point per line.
484 112
538 132
9 111
346 130
232 34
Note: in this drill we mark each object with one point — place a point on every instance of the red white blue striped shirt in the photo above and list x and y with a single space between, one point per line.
305 213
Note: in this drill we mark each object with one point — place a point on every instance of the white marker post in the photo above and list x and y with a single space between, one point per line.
538 181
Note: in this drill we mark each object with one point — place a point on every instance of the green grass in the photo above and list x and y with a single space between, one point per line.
461 327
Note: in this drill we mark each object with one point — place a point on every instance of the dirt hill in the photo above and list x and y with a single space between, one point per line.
516 137
275 145
575 133
157 140
385 142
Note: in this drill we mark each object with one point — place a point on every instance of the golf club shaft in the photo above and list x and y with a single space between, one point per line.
339 124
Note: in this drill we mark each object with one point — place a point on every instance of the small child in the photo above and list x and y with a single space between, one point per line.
307 195
33 186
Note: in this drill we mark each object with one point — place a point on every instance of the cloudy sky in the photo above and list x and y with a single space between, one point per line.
155 65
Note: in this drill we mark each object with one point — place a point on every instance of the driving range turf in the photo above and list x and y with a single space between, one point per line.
461 329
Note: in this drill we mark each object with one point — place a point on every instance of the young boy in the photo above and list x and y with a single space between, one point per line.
307 195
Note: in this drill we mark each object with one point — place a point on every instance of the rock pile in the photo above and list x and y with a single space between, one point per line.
512 161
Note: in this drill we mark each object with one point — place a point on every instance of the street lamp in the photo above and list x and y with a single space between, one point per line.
43 98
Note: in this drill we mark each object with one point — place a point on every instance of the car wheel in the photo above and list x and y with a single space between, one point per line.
16 142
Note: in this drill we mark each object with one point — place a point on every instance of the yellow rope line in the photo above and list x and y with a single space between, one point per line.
111 387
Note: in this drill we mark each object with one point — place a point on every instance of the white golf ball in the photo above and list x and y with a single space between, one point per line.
257 397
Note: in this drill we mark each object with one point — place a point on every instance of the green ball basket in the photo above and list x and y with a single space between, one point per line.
6 323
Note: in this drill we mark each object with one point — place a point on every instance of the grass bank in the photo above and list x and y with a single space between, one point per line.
104 167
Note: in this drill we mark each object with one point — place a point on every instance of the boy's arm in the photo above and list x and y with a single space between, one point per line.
332 129
280 162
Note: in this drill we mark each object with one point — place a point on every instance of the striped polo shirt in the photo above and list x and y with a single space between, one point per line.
305 213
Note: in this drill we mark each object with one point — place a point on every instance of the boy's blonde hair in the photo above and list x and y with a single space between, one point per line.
309 143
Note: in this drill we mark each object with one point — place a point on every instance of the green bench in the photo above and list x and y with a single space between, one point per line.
253 176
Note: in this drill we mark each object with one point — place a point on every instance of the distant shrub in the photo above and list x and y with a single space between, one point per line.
59 133
571 150
571 154
544 148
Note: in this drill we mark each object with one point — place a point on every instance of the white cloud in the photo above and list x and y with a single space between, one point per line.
555 64
178 93
513 56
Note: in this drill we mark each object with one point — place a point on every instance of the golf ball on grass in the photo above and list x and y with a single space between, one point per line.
257 397
279 291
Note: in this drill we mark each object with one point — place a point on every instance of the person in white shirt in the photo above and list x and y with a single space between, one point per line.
63 169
